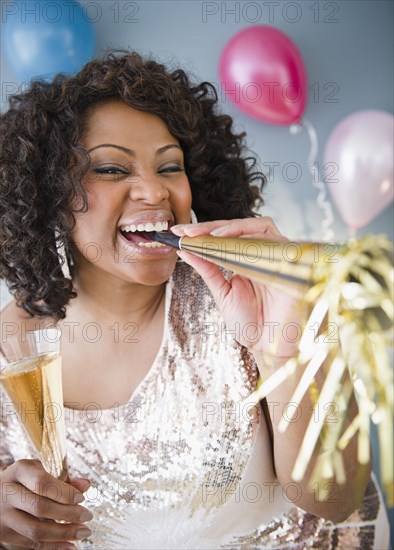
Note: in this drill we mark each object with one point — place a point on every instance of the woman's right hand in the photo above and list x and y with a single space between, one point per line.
33 501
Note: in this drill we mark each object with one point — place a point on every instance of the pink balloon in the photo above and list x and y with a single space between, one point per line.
358 162
263 73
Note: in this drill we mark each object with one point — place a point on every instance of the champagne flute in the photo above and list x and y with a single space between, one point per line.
30 373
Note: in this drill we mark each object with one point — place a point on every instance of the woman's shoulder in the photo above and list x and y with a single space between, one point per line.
15 320
12 313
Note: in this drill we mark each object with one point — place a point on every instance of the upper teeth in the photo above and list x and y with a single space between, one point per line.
158 226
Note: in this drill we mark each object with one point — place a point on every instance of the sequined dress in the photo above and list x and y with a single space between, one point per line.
186 463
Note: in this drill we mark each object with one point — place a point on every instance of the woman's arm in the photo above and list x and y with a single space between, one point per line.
29 515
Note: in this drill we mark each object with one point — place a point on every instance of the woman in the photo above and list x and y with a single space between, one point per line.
156 367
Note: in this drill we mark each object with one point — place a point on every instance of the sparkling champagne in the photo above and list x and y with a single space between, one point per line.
34 385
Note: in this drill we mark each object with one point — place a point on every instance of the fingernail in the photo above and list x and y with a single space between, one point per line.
86 516
219 231
78 498
83 533
180 254
82 484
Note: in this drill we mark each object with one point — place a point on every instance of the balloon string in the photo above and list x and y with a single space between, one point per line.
322 202
352 232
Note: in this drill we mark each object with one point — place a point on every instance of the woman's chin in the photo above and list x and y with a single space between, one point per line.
152 273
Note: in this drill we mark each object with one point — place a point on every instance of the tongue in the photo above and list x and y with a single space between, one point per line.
138 236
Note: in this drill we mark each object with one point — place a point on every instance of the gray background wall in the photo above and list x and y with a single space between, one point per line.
347 47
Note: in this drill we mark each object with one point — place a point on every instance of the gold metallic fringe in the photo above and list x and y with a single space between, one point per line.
350 297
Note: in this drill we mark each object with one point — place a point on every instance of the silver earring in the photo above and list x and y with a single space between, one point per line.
63 261
193 217
64 265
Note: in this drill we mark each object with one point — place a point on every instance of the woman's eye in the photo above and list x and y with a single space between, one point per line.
110 170
168 169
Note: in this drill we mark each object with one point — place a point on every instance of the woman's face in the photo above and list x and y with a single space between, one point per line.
136 184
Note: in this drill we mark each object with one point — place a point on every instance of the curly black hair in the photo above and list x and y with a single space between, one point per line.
43 164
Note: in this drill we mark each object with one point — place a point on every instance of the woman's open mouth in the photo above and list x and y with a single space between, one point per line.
141 234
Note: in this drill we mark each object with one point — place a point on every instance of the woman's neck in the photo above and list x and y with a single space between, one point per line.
105 296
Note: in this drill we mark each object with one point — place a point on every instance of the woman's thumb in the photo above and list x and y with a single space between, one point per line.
80 483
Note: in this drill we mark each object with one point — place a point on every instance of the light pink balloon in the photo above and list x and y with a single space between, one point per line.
263 73
358 162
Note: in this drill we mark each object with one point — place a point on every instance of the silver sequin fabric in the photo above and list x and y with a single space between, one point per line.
186 463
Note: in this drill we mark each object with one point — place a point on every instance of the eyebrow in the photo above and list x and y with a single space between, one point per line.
131 152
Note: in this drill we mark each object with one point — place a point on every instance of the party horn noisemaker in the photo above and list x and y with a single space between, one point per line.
282 263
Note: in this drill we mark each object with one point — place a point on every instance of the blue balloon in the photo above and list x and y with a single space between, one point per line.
45 37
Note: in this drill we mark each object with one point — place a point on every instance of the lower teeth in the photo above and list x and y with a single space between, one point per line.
152 244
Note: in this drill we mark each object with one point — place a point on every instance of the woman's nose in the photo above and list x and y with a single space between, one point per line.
149 189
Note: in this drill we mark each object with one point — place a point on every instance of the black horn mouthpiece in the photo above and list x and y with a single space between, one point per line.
165 237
